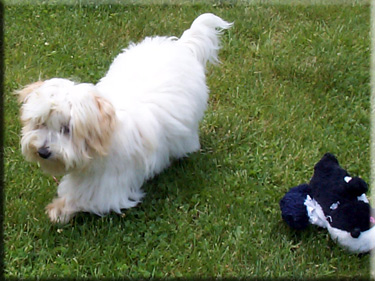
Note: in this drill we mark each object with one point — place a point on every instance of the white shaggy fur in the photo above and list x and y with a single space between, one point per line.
108 138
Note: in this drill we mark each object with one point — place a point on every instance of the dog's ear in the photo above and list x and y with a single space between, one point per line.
23 93
94 121
106 126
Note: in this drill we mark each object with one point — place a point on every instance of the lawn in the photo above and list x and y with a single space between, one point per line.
293 83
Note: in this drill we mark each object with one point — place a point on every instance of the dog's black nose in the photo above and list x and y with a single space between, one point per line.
44 152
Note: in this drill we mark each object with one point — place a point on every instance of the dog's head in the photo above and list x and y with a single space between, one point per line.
65 125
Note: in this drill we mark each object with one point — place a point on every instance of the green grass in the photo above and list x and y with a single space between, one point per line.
293 84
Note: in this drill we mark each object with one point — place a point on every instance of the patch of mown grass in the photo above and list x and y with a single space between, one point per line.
293 84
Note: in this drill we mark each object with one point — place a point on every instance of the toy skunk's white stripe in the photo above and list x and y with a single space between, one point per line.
364 243
315 213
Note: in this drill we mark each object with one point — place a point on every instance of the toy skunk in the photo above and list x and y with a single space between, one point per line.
335 201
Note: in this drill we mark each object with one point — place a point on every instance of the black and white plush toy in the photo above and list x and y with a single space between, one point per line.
335 201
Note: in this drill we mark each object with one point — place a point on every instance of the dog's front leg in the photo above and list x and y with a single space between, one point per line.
59 211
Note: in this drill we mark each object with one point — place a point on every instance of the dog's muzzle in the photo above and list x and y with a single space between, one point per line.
44 152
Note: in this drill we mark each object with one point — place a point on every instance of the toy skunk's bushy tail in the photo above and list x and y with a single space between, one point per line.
203 37
293 209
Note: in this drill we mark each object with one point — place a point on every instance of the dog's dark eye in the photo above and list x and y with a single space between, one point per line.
41 126
65 130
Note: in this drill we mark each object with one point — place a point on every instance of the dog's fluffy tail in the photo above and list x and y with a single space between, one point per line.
203 37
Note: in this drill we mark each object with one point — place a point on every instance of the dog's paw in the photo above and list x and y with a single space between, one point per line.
58 211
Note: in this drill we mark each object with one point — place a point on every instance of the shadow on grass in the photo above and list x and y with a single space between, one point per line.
184 179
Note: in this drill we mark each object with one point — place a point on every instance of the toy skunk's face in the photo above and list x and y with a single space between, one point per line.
353 217
341 197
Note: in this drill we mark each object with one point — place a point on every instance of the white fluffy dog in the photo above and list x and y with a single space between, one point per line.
108 138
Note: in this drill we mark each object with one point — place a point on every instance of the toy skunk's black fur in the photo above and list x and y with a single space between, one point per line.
335 201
